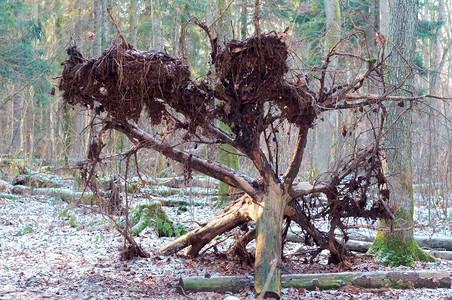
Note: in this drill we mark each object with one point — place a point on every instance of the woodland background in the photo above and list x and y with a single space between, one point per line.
39 128
42 132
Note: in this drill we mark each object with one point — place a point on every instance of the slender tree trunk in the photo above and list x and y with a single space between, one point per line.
106 24
27 125
400 248
385 12
434 83
325 130
49 119
244 19
97 43
224 34
133 29
5 124
16 137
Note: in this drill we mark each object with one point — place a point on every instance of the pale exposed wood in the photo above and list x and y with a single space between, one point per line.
234 215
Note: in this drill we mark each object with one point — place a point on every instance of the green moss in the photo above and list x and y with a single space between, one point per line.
394 249
141 216
176 203
146 215
182 209
167 192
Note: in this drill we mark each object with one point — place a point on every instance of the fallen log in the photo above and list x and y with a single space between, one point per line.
325 281
219 284
441 254
41 180
435 242
196 181
358 246
65 194
360 243
362 247
239 213
444 243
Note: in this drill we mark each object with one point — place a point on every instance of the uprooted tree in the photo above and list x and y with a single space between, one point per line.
253 92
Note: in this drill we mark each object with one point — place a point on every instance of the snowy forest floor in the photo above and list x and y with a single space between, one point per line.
51 249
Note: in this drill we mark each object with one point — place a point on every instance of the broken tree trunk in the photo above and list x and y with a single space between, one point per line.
267 267
399 280
234 215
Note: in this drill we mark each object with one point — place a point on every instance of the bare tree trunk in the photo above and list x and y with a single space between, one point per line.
325 131
5 125
106 25
97 43
400 248
27 125
49 119
16 138
434 83
226 153
133 27
384 17
244 19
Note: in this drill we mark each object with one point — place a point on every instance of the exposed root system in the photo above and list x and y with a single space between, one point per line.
251 93
123 81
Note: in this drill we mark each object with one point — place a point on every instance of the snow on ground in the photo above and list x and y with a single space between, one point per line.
50 249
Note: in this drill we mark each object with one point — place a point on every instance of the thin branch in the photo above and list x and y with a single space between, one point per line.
221 15
117 29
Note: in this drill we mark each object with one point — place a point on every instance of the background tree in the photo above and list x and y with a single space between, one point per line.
399 247
223 30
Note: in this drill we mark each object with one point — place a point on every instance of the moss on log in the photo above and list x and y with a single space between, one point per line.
65 194
398 280
218 284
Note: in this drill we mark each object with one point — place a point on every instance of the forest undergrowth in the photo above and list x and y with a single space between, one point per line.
50 247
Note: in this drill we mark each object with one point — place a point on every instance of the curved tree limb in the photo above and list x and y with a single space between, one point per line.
208 167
